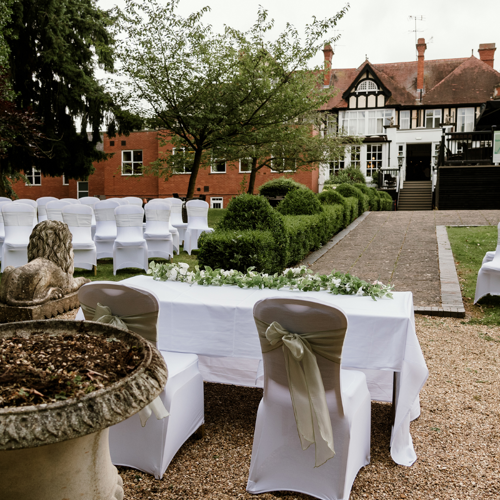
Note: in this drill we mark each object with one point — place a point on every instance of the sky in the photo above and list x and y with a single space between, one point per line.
381 30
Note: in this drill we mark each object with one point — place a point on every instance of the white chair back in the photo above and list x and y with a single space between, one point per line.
120 201
3 198
105 231
17 215
157 216
42 206
54 209
33 204
79 220
77 216
73 201
129 221
133 200
176 210
197 211
90 201
105 211
2 227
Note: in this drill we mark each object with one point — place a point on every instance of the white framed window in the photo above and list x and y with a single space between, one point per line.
217 202
353 122
373 158
432 118
286 165
377 119
34 177
401 155
367 86
82 189
465 119
355 156
186 165
365 122
218 166
64 180
245 165
132 162
336 166
404 120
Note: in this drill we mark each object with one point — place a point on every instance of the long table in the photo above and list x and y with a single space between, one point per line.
217 324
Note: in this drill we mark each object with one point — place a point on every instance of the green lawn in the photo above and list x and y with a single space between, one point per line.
105 266
469 245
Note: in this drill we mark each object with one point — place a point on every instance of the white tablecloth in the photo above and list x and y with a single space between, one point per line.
381 339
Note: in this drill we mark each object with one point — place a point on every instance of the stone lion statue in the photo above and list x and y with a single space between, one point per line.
48 275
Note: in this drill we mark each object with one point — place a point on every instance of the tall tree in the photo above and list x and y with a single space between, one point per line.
210 92
54 47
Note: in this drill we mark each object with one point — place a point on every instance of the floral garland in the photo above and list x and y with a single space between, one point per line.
295 278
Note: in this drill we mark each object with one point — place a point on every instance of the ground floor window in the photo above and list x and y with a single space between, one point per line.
216 202
34 177
355 156
336 166
373 158
83 189
132 162
245 165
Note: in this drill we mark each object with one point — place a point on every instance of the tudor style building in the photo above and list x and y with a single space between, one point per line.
400 109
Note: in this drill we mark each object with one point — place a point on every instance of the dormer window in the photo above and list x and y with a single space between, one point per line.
367 86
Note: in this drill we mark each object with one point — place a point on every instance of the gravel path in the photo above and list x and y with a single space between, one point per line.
457 437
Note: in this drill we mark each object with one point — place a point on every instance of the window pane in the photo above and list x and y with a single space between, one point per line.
138 156
127 155
219 166
246 165
137 168
127 168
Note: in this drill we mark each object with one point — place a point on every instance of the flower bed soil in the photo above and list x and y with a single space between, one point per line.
45 369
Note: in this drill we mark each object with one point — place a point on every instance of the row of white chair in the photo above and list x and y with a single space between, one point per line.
279 460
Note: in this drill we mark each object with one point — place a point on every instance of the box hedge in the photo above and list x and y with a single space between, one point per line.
353 207
386 201
372 196
300 202
348 190
279 187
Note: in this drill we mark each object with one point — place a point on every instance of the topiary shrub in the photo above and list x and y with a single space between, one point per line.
331 197
300 202
350 175
372 196
279 187
348 190
352 209
386 201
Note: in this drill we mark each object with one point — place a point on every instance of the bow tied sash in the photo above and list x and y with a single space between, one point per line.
304 380
143 324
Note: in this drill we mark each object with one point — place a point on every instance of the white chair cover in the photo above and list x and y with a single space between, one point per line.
91 201
54 209
72 201
79 220
120 201
197 211
488 278
157 234
3 201
42 203
18 221
105 232
305 391
176 217
33 204
130 248
133 200
3 198
173 231
150 448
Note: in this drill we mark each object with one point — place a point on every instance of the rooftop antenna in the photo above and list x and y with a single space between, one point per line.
335 39
416 19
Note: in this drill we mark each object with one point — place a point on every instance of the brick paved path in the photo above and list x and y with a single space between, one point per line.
400 248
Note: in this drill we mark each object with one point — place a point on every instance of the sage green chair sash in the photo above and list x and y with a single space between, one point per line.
304 379
145 326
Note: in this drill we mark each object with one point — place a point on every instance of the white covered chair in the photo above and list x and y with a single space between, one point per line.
91 201
488 278
150 448
173 231
54 209
3 201
3 198
176 217
32 203
130 248
79 220
73 201
197 211
120 201
157 234
305 390
133 200
105 232
42 206
18 221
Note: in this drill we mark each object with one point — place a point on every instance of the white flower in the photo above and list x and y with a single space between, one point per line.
183 271
360 291
190 277
376 282
202 274
183 265
172 274
348 287
336 281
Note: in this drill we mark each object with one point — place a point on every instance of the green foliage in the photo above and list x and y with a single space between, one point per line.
353 207
469 245
331 197
310 232
300 202
348 190
372 196
386 201
350 175
54 49
280 186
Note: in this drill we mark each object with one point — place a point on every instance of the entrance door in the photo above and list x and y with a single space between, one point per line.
418 162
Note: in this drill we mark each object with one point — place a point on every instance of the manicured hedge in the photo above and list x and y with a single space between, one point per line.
353 207
300 202
350 190
386 201
372 196
279 187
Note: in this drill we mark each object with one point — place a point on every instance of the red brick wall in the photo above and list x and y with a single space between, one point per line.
108 179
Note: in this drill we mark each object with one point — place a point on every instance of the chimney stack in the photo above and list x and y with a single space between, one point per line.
328 51
421 46
487 53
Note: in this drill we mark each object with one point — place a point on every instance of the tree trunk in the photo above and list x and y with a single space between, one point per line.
194 173
253 175
3 190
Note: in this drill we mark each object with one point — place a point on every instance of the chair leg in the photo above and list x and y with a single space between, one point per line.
95 270
200 432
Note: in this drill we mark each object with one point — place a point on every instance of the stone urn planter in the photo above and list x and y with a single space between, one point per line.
59 450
